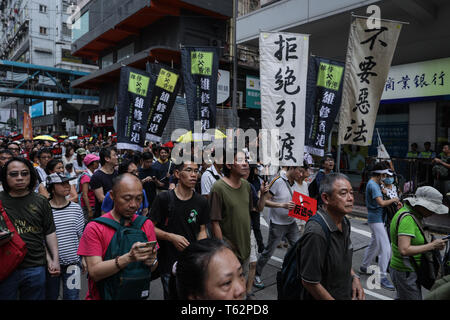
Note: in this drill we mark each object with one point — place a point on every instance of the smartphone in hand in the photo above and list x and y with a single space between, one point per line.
150 244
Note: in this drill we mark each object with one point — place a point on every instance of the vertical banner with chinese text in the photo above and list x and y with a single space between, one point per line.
369 57
283 75
162 100
27 127
200 66
133 108
323 99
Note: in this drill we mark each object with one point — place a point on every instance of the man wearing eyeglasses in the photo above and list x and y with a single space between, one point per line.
14 148
180 217
32 217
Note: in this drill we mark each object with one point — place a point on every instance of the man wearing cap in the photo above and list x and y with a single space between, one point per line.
409 242
379 245
91 161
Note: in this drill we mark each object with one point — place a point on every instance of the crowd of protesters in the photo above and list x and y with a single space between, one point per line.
199 223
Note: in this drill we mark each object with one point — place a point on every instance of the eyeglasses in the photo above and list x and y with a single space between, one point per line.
45 157
15 174
5 158
190 170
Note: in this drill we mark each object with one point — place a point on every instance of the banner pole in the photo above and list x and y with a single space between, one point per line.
386 20
338 160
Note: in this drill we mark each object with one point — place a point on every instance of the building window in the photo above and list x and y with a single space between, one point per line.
125 52
66 30
107 60
43 30
42 8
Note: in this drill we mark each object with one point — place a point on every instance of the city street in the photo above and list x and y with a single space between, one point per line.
360 239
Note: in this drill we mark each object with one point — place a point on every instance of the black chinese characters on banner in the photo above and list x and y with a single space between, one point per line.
323 100
133 108
200 71
164 93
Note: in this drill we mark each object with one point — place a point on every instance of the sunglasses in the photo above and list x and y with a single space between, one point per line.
15 174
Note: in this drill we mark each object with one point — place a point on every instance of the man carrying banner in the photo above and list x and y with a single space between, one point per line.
280 203
327 274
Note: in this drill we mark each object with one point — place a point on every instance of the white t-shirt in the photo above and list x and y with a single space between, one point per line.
208 179
391 193
281 192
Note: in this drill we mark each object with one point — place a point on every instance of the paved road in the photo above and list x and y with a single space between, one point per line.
360 237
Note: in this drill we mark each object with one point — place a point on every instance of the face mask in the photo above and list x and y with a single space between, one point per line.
389 180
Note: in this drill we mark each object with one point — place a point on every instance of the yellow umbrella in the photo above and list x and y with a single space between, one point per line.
63 137
45 137
187 137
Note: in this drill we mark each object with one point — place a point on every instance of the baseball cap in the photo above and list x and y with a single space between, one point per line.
58 178
90 158
81 151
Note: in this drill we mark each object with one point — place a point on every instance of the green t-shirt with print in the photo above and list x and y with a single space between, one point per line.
407 227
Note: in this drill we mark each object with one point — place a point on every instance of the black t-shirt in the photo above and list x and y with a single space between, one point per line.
149 187
185 220
101 180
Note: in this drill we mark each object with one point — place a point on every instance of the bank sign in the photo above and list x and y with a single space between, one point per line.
421 79
253 93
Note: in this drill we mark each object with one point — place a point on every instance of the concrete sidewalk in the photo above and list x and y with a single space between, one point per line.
436 223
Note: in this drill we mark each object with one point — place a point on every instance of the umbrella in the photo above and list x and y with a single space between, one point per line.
45 137
73 137
63 137
187 137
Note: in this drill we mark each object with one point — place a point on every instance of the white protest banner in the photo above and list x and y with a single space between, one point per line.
369 57
283 72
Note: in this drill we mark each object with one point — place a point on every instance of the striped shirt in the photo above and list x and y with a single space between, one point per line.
69 222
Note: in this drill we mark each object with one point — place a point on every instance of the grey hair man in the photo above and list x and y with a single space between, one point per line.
327 274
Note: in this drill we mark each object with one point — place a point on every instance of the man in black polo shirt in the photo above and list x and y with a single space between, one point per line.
325 258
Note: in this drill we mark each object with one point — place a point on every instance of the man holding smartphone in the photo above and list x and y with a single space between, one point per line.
180 217
127 196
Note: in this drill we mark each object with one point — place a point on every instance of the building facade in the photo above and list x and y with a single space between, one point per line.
418 112
39 32
132 33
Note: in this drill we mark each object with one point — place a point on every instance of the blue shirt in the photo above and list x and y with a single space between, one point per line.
108 204
374 210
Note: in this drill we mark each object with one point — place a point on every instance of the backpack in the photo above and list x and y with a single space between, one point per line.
446 260
132 282
79 181
289 285
430 262
313 188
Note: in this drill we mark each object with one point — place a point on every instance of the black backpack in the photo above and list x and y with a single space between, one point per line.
289 285
446 261
429 269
